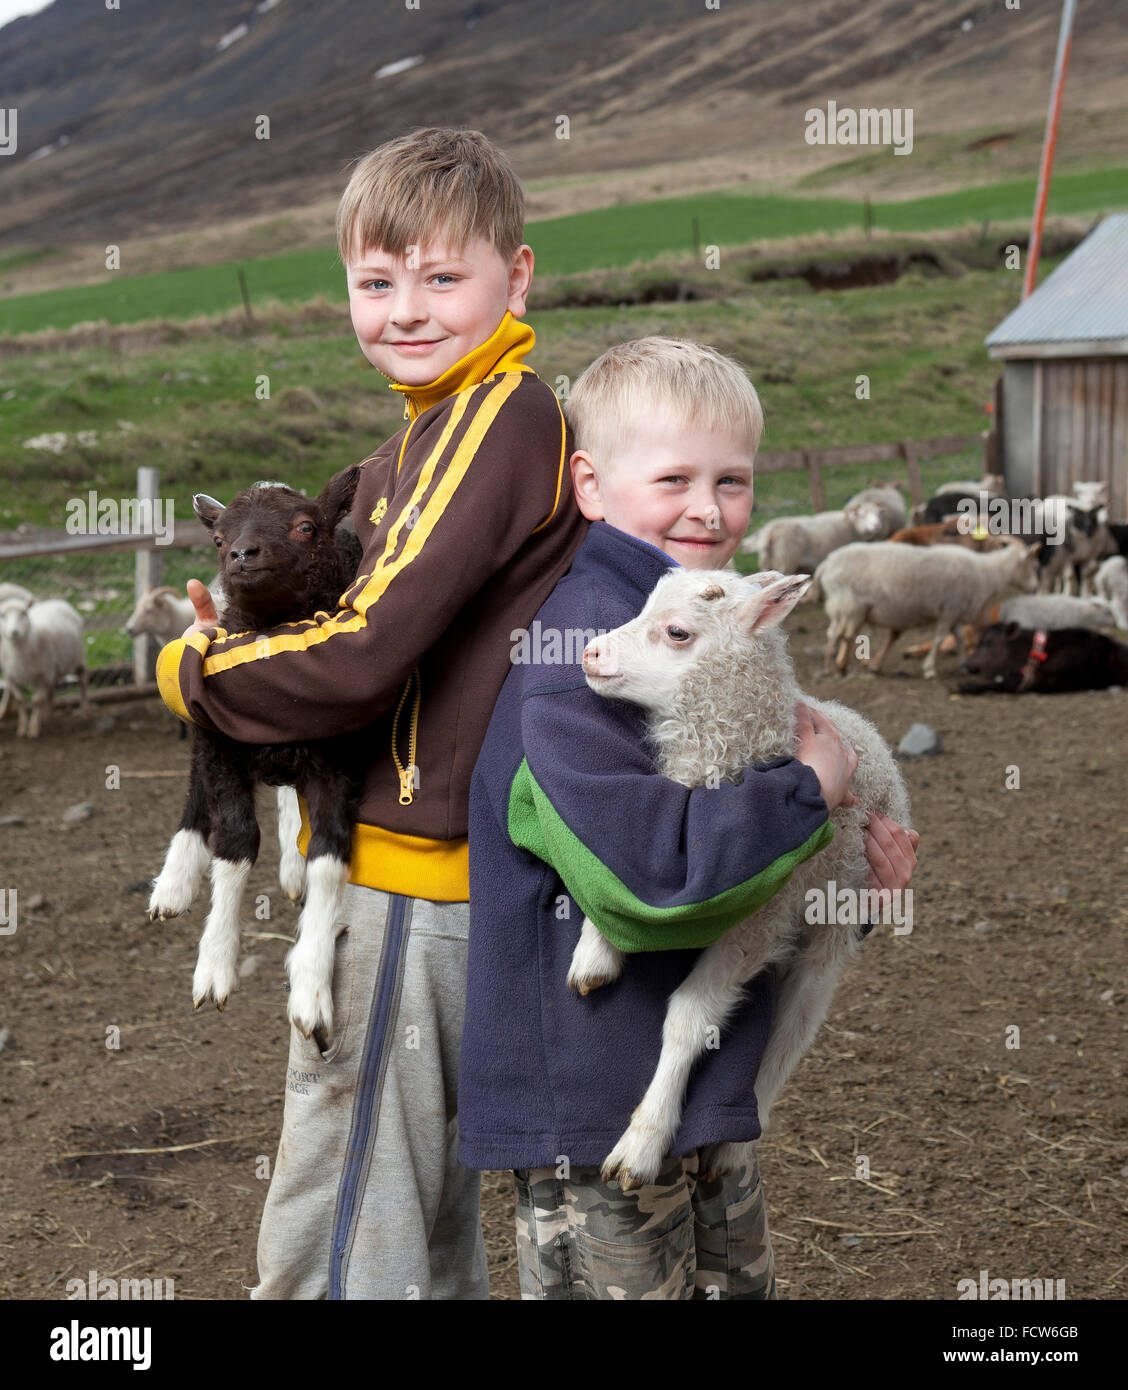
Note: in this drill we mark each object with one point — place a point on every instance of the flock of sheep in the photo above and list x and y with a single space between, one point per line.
874 566
958 568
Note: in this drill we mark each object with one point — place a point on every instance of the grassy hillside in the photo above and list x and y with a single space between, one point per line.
606 237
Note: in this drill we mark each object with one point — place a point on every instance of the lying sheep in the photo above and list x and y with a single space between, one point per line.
1010 659
1054 611
707 661
905 586
299 564
1111 585
40 643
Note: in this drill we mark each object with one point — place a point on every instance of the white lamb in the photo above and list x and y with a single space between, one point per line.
875 513
1112 585
1052 612
896 586
706 659
12 591
165 612
40 643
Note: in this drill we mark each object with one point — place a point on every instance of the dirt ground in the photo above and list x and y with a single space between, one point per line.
980 1155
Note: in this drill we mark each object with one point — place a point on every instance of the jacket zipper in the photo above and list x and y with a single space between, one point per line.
407 774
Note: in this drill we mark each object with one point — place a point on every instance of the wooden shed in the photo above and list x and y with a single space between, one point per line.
1064 397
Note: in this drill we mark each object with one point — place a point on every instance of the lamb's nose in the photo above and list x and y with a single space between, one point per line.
244 552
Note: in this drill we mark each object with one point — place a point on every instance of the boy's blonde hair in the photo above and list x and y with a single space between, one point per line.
631 382
433 181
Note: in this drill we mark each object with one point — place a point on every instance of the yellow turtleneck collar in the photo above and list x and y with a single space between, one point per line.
502 351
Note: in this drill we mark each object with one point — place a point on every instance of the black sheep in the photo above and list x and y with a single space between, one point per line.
1012 659
282 558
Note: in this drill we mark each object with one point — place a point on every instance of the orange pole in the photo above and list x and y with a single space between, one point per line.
1049 144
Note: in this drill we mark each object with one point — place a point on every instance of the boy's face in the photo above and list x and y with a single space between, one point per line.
689 492
417 315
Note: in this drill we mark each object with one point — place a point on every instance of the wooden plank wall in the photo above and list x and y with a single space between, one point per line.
1084 426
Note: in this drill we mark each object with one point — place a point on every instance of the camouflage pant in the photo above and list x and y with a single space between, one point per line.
678 1238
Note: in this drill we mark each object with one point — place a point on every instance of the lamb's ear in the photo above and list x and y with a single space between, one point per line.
336 497
773 603
207 509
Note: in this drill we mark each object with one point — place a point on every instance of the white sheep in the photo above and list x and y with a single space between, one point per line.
875 513
1053 611
12 591
896 586
707 661
1112 585
40 643
789 544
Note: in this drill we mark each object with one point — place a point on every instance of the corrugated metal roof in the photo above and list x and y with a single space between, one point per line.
1084 301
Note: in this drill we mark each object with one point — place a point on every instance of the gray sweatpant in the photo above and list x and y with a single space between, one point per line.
368 1199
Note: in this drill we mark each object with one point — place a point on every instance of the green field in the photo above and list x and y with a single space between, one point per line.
608 237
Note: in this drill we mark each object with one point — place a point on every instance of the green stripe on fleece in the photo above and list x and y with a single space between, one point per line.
624 919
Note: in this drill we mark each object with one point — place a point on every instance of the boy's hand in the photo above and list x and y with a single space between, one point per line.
833 761
891 851
204 605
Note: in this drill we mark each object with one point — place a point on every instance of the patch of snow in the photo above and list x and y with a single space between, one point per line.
401 65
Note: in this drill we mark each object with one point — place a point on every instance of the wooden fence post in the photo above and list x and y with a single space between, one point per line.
814 473
148 569
913 470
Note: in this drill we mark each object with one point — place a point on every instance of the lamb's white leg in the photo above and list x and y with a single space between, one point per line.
595 961
216 963
176 886
943 627
22 710
5 699
38 699
700 1004
310 961
291 864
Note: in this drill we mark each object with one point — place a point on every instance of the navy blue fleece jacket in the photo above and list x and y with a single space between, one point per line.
568 816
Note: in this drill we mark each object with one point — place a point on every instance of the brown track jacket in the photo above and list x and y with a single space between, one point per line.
467 521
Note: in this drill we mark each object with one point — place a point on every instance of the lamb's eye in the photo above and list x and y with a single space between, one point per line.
218 540
677 634
306 528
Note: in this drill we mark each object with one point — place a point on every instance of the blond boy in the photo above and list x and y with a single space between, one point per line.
569 818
